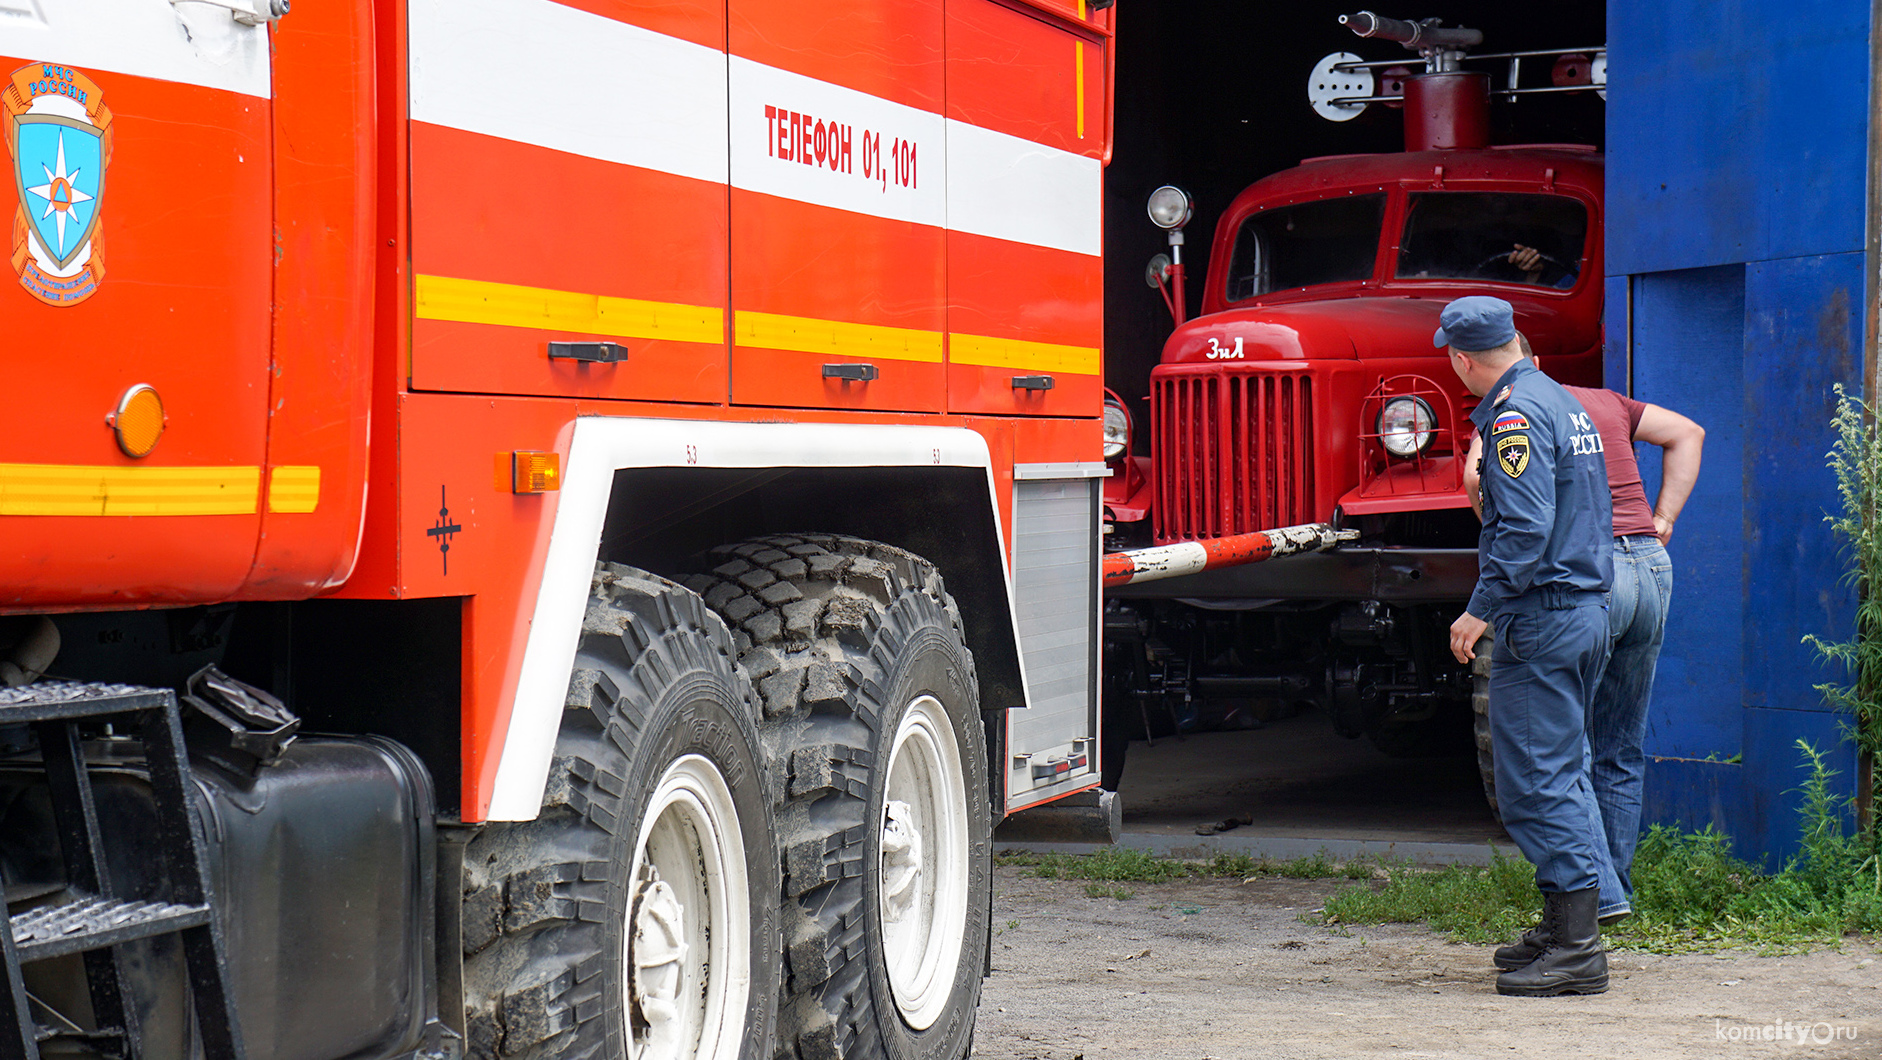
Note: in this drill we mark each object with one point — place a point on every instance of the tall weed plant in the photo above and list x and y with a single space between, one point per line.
1833 884
1855 458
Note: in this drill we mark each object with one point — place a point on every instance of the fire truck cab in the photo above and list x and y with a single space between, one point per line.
1308 390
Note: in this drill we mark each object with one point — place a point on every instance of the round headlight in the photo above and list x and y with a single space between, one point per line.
1406 425
1170 207
1117 431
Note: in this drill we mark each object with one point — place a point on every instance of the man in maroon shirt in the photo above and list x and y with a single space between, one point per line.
1643 590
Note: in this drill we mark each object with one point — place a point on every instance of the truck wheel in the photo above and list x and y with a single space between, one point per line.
1480 722
636 917
872 716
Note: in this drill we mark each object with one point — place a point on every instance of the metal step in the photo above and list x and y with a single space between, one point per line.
63 700
99 921
94 923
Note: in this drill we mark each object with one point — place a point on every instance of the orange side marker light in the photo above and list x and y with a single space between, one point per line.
138 420
533 472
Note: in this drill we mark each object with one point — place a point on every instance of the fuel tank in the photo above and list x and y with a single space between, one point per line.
321 864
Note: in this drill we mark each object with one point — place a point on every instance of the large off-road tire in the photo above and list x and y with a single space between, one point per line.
872 718
1480 721
636 917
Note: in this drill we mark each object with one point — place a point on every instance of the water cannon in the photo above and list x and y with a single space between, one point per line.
1445 105
1441 49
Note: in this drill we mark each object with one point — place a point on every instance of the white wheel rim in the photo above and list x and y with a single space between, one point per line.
688 953
921 894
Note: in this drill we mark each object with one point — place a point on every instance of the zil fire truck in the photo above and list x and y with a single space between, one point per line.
1308 391
539 529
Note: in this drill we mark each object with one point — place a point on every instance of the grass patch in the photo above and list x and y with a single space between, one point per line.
1109 890
1691 893
1472 903
1117 864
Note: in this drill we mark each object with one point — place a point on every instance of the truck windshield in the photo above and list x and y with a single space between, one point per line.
1508 238
1329 241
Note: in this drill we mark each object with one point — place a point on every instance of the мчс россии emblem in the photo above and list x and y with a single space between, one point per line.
58 135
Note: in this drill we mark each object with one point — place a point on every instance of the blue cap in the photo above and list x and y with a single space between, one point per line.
1475 324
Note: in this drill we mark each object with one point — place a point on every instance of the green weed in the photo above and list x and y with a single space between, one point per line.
1137 866
1473 903
1855 458
1691 893
1109 890
1108 863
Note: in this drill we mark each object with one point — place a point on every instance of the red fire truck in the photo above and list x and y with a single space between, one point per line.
539 529
1308 391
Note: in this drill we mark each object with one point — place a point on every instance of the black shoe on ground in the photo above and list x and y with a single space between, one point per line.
1523 950
1572 961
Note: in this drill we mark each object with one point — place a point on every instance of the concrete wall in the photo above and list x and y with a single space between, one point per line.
1737 227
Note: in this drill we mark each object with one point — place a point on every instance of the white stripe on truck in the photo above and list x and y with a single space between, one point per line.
189 43
620 93
546 74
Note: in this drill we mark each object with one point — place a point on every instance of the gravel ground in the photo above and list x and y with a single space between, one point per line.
1222 970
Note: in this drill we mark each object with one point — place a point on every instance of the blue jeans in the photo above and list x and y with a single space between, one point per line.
1617 720
1545 667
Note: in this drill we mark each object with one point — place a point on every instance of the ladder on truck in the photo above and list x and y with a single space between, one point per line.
94 919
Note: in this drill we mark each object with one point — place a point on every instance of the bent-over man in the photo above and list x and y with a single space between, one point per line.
1641 599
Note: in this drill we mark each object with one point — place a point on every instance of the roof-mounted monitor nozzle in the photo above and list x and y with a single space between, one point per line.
1442 49
1446 106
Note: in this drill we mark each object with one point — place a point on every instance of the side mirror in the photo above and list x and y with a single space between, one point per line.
1156 271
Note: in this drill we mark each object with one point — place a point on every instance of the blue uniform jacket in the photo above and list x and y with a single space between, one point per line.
1547 514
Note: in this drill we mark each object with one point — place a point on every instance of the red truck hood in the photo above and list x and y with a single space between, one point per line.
1340 328
1333 328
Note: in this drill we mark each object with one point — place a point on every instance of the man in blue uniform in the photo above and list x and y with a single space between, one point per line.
1545 564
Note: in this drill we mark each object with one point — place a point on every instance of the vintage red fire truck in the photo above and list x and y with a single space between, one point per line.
1308 391
539 529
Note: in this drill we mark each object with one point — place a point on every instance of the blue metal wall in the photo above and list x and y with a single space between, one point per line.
1737 201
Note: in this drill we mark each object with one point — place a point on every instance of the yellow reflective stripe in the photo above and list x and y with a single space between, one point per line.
1078 59
67 489
990 352
512 305
835 338
293 489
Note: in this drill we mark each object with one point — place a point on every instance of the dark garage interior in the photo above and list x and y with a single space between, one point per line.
1212 97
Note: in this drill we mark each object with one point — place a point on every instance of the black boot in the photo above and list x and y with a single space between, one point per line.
1523 950
1572 962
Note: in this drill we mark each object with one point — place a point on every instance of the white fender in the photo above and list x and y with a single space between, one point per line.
602 445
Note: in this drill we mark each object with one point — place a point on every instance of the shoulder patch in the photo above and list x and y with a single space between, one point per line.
1504 394
1509 421
1512 454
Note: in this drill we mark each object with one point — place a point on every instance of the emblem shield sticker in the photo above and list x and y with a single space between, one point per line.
1512 453
58 136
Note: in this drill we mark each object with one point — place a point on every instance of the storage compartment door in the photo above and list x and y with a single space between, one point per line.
838 206
1026 127
1051 745
568 186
